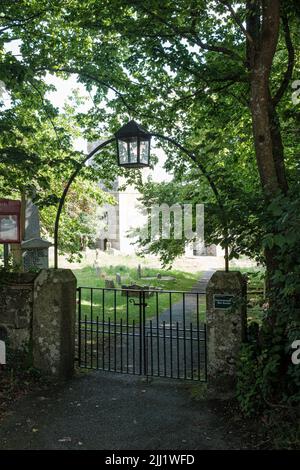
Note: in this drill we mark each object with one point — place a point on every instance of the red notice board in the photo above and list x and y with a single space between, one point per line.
10 213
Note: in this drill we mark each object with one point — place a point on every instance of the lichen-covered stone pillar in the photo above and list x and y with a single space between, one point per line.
53 323
16 299
226 329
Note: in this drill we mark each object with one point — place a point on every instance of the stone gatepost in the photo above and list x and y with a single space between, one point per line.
53 322
226 329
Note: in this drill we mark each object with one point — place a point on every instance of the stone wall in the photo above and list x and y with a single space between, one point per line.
37 313
16 301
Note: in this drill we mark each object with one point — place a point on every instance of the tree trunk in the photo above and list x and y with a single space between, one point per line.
261 52
262 130
263 27
278 150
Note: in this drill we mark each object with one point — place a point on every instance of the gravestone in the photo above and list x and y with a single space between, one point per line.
135 290
118 278
109 250
109 284
97 264
97 268
139 271
35 249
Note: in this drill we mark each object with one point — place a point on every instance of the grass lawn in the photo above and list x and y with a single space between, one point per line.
117 306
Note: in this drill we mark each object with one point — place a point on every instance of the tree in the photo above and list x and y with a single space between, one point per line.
36 139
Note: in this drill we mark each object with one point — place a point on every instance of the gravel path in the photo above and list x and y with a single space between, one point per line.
190 302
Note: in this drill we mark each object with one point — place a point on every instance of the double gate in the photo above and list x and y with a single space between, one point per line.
142 332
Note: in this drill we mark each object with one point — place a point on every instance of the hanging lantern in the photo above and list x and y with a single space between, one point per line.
133 146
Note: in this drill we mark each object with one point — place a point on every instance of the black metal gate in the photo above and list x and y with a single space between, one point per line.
144 332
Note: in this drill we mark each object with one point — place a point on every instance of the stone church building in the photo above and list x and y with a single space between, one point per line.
125 216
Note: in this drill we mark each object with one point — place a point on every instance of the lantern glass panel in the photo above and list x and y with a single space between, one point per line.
123 153
133 150
144 151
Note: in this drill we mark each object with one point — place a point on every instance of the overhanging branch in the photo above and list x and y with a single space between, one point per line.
237 20
190 36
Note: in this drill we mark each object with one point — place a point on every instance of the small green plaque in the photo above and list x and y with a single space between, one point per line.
222 302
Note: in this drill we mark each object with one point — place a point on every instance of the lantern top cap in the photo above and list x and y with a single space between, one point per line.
132 129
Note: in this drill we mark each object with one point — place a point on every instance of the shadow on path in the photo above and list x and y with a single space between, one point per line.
111 411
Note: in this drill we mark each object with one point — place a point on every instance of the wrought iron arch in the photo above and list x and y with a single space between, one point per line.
189 153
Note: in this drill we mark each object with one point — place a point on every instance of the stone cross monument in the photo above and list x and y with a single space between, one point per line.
35 249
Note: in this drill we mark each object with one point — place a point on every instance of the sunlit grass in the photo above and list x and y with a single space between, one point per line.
116 305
